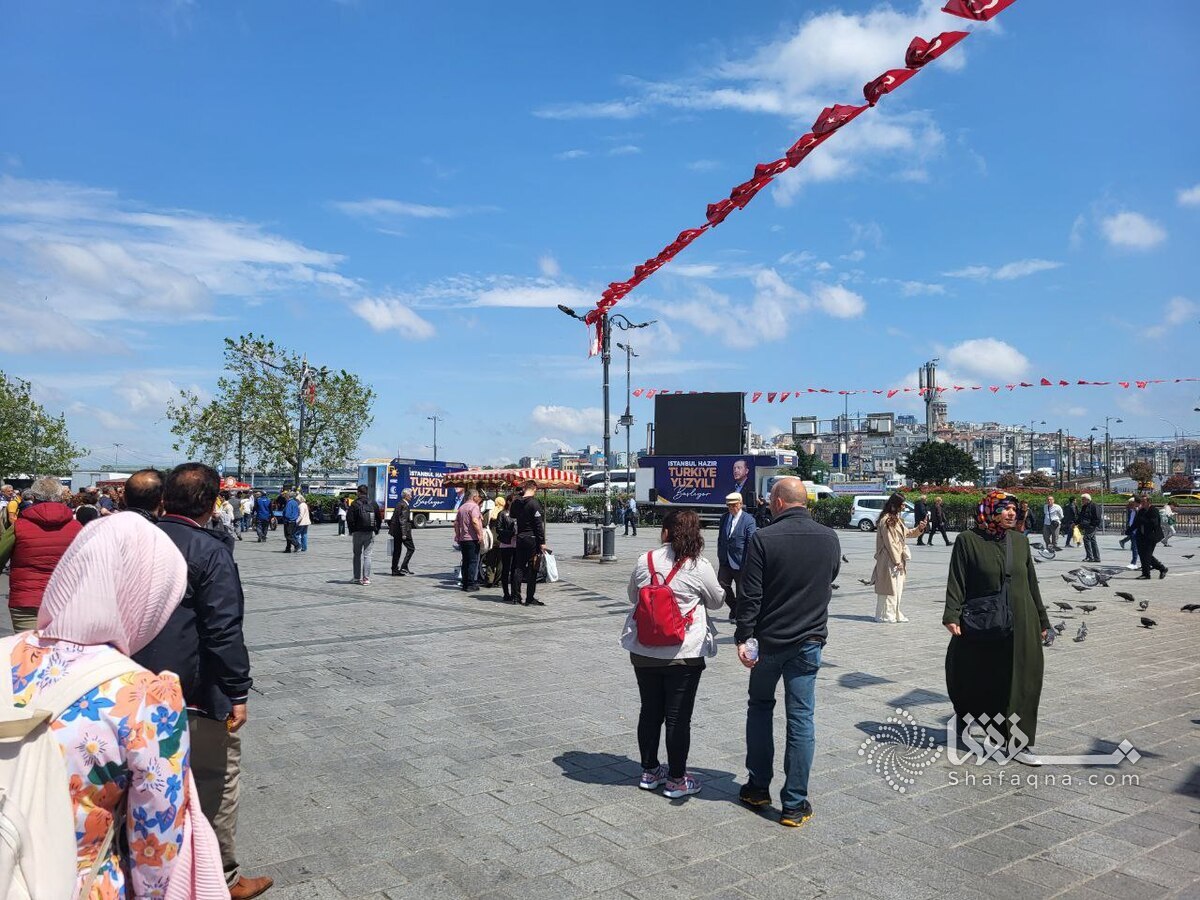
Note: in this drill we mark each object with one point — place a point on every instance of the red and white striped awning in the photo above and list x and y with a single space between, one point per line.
544 476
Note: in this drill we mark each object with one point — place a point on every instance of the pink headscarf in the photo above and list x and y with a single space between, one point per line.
117 584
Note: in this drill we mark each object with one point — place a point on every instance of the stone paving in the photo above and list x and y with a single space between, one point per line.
414 741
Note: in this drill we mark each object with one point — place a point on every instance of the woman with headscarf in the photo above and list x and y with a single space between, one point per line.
997 674
891 559
124 737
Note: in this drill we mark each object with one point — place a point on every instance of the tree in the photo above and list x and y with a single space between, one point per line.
32 442
268 397
937 463
809 466
1037 480
1177 484
1008 481
1140 471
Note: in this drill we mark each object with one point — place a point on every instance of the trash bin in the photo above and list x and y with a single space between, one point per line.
609 544
591 541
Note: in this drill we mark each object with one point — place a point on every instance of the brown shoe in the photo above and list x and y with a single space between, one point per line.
245 888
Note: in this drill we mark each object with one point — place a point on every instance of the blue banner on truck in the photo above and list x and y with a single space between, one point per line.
424 478
705 480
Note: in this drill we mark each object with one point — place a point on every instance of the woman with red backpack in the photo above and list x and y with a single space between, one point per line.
669 634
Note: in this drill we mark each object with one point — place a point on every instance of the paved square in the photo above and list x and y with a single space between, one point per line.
414 741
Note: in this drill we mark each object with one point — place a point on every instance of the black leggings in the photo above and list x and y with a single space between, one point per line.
506 567
668 694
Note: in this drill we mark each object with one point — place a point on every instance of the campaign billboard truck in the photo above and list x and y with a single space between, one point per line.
702 482
433 503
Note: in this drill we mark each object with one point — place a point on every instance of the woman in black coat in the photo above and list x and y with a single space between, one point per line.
1147 532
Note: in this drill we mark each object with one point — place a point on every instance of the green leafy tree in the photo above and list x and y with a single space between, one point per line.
266 394
808 466
937 463
32 441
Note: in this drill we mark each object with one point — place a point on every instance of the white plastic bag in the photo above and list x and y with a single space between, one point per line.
551 565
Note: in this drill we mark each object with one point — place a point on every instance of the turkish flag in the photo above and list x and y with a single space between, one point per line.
771 169
994 389
1123 384
1047 383
744 192
921 51
824 391
784 396
892 393
717 212
886 83
959 387
756 396
638 392
650 394
806 145
771 395
1141 384
1026 384
1062 383
834 117
978 10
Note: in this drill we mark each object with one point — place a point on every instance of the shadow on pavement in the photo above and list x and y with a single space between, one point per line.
609 768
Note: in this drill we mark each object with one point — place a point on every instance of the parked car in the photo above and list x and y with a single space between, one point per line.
576 513
867 508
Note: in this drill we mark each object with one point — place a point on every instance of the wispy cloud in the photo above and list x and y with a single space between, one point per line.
703 165
987 358
1178 311
390 314
571 154
1189 196
569 419
625 150
1022 268
383 207
1132 231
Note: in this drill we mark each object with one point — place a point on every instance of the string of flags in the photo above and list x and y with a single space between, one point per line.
832 118
889 393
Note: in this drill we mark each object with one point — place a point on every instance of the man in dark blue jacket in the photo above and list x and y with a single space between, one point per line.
203 644
262 516
784 605
737 527
291 519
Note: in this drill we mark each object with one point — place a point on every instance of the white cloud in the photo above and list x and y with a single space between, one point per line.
571 154
703 165
569 419
838 301
987 358
1133 231
612 109
1078 229
1178 311
385 313
549 266
383 207
625 150
1190 196
921 289
42 329
536 295
544 443
855 255
144 392
1022 268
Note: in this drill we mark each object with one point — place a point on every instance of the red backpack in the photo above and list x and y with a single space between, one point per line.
659 622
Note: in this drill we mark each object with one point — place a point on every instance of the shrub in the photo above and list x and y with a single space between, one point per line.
1177 484
1037 480
1007 481
833 511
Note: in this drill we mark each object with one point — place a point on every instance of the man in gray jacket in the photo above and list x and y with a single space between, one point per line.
784 605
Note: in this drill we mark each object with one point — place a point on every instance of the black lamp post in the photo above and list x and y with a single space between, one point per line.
1107 450
626 421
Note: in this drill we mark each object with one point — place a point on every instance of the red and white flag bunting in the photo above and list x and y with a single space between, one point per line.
889 393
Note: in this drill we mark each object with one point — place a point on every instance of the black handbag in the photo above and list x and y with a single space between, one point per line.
990 618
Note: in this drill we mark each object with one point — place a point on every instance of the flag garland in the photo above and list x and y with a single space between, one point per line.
920 52
889 393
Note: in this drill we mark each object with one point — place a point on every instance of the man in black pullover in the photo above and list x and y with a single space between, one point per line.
531 543
784 605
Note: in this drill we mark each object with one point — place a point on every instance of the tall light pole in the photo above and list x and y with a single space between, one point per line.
116 454
1107 450
626 421
1174 444
434 419
604 327
1032 423
927 380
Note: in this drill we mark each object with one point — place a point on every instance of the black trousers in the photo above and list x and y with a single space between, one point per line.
1068 532
1146 555
289 537
934 529
506 570
402 541
630 522
730 580
525 567
668 695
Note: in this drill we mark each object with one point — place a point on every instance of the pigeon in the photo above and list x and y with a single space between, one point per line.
834 586
1148 623
1061 605
1048 640
865 581
1037 561
1068 579
1143 605
1188 555
1124 595
1081 587
845 558
1061 626
1087 608
1189 607
1083 632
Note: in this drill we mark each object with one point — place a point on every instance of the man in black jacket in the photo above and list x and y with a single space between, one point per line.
203 644
1089 521
400 528
1147 533
920 514
531 543
784 605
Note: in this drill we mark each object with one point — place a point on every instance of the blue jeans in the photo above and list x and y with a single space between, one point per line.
470 563
302 537
797 666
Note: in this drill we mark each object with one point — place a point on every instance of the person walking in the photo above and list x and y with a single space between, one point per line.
1052 517
204 644
468 534
343 507
291 517
122 731
1089 521
891 559
1147 533
245 511
400 527
937 521
784 606
303 520
531 543
262 515
37 541
920 514
1025 523
1070 517
631 515
1168 523
734 532
1129 532
225 517
669 675
989 674
506 538
364 519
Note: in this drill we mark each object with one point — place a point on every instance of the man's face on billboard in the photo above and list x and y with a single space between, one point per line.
740 470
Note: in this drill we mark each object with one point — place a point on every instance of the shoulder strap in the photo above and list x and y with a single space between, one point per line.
650 565
674 570
84 676
1008 556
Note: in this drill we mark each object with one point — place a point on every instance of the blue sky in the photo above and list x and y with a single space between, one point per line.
407 190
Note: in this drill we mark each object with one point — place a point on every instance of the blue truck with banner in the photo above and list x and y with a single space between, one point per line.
702 482
432 501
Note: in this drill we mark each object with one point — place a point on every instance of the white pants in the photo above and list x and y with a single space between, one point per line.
888 608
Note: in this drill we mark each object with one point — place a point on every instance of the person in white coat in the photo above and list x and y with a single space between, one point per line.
891 559
668 675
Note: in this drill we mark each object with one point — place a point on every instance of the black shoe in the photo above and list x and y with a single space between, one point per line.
794 818
754 796
534 602
1142 577
405 570
1162 573
396 572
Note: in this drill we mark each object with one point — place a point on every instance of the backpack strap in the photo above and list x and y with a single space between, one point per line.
650 565
674 571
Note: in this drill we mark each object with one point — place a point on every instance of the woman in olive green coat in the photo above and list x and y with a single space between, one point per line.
999 677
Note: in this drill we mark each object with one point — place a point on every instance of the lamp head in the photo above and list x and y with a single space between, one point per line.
568 311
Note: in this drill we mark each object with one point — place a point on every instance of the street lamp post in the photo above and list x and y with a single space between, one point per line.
626 421
1032 423
1174 444
608 552
434 420
1107 450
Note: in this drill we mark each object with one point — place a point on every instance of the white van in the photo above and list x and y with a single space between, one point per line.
867 508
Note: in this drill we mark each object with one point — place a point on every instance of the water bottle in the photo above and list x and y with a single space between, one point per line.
751 649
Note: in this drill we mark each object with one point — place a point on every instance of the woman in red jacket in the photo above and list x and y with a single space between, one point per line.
36 543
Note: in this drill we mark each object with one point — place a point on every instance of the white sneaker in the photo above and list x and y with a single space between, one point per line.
903 618
1133 566
1026 758
884 620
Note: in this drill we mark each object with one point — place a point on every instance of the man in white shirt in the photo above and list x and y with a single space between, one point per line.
737 527
1052 516
631 516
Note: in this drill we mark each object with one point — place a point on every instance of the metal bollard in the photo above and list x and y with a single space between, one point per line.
609 553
